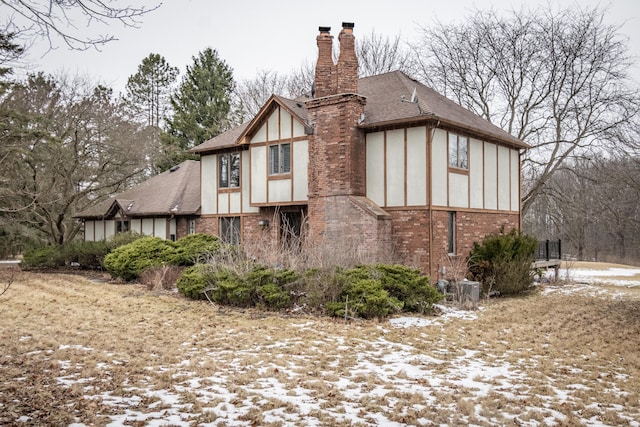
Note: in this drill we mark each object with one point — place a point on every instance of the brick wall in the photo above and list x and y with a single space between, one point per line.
411 237
336 149
348 226
470 227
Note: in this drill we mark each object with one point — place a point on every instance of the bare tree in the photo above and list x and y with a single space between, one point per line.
69 146
556 80
251 94
61 19
378 54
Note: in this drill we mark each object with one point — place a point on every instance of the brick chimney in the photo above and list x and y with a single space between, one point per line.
330 78
348 61
326 70
339 214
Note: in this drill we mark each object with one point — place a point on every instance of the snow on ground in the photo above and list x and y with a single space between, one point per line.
383 370
610 276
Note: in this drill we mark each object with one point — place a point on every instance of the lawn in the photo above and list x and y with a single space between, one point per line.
79 352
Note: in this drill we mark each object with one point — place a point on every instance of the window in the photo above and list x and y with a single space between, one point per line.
279 159
230 230
122 226
291 229
192 226
451 234
458 149
229 170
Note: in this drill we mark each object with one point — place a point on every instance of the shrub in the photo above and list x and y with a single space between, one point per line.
259 286
89 254
502 262
195 248
365 298
121 239
127 262
44 257
194 280
406 289
403 283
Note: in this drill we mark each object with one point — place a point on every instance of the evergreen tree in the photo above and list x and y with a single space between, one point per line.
149 89
201 107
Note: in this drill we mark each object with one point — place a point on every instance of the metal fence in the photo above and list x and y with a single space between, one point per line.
549 250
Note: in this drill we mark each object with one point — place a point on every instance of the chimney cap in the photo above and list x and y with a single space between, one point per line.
324 29
348 25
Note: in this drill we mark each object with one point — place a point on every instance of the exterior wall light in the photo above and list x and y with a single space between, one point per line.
263 224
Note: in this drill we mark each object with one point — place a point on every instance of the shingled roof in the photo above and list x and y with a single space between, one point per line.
388 102
173 192
235 135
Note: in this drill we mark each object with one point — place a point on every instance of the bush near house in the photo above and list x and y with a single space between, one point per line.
380 290
127 262
502 262
87 255
196 248
259 286
365 291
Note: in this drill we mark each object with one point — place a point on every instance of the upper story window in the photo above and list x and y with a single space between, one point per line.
458 151
229 170
279 159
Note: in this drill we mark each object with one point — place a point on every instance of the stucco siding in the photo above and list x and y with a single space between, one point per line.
515 180
504 190
458 190
395 155
209 184
439 168
490 176
375 168
416 166
476 174
258 174
300 171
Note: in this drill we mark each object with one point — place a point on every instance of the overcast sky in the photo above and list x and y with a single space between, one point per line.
252 35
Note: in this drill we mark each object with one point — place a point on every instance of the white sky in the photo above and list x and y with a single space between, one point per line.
252 35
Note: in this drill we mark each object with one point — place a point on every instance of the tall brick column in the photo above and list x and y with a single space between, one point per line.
339 212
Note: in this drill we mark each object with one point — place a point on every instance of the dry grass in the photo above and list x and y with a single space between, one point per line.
77 351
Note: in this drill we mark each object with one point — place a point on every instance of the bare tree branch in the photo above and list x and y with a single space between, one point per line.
64 20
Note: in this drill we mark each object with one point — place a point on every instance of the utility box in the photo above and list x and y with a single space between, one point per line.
471 291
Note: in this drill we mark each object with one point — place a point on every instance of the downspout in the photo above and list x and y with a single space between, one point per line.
430 195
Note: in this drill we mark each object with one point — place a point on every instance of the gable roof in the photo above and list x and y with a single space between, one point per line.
173 192
388 103
237 135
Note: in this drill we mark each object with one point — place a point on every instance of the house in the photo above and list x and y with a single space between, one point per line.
165 206
381 166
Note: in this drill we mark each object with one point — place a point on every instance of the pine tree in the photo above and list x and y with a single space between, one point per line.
201 106
149 90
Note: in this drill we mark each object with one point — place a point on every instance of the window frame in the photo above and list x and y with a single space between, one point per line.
230 181
229 231
122 226
451 233
461 159
283 167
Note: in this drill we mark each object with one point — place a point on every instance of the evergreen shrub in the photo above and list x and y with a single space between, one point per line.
127 262
195 248
42 257
194 280
503 262
382 289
